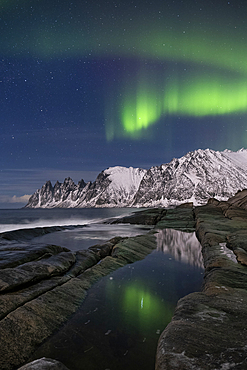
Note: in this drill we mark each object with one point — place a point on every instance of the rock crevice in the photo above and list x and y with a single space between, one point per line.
208 328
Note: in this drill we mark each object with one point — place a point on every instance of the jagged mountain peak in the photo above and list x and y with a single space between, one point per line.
81 184
113 187
47 183
68 180
197 176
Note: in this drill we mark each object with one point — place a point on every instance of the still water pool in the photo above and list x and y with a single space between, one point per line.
119 323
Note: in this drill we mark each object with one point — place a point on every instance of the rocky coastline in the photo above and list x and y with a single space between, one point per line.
208 329
42 287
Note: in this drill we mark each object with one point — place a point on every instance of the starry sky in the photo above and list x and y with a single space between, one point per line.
85 85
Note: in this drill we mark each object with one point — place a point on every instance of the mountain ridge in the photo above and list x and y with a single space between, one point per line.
195 177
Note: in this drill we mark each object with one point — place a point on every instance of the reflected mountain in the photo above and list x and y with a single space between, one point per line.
182 246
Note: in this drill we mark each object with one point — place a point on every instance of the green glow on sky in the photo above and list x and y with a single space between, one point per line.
209 38
187 93
205 96
142 109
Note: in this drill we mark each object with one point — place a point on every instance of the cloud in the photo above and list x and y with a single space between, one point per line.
14 199
22 199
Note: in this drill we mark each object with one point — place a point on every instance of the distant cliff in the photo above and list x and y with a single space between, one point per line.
195 177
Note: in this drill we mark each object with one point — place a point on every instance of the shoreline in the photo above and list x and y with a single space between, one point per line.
208 327
196 338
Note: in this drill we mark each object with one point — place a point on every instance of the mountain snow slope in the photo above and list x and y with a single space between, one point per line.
114 187
195 177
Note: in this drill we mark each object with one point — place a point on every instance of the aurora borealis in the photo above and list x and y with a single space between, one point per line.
88 85
190 95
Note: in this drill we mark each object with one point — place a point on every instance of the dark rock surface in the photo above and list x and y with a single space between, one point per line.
44 364
180 218
146 217
208 330
42 286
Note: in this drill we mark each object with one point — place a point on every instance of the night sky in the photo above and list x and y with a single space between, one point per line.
86 85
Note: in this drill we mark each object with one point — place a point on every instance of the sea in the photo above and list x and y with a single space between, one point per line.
119 323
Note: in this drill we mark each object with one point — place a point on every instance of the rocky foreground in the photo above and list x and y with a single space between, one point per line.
208 330
41 287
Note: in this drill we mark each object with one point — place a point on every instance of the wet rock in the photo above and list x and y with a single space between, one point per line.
241 256
17 253
208 328
28 234
44 364
239 199
12 278
84 260
23 329
135 249
179 219
45 285
147 217
185 205
42 287
105 249
207 332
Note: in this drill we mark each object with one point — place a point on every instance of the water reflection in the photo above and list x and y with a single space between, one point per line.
85 237
227 252
140 303
183 246
119 323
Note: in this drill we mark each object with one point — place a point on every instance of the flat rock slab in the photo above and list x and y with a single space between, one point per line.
41 287
181 218
146 217
207 332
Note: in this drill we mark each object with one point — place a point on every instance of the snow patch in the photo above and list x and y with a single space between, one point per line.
195 177
125 178
239 157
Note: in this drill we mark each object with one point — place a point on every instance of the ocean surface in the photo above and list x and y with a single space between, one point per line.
123 315
12 219
90 227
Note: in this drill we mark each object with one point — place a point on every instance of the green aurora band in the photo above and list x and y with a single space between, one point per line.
190 94
209 38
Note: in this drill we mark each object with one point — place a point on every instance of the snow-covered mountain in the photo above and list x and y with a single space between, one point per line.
114 187
195 177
